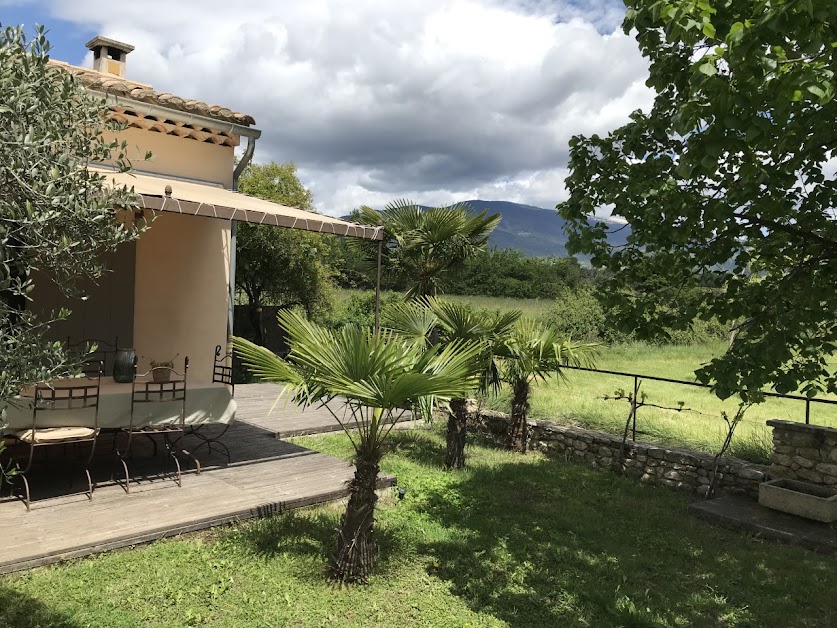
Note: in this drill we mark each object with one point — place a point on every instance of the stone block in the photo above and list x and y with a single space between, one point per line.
703 480
812 453
784 449
805 463
747 473
809 475
656 452
580 445
673 475
782 459
826 468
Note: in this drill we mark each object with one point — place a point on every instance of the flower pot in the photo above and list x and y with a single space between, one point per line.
161 374
123 365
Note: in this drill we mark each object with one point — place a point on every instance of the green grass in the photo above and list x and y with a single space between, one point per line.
579 401
512 541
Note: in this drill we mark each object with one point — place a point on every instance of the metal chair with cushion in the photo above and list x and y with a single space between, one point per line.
149 394
61 414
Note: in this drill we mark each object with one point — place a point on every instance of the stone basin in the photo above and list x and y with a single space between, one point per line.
803 499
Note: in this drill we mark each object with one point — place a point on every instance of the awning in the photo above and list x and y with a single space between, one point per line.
196 199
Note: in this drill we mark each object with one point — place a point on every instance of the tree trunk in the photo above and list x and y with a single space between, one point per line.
457 431
518 439
355 554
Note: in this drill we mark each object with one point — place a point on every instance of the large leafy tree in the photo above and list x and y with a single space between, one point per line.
423 246
285 267
728 185
56 216
375 376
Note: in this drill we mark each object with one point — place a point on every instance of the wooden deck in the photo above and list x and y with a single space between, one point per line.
265 476
257 405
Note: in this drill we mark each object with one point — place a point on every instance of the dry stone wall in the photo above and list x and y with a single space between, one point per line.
678 469
804 452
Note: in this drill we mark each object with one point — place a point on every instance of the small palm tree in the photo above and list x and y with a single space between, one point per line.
424 244
458 322
529 353
433 320
377 376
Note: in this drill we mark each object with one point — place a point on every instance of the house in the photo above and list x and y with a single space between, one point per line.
171 292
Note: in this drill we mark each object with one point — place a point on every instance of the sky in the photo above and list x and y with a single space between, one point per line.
436 101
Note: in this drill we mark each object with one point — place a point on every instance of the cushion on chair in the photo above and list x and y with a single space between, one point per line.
56 434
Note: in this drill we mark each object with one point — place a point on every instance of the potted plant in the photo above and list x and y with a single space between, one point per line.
161 370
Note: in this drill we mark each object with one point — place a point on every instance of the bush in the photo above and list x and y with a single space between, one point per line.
358 308
579 315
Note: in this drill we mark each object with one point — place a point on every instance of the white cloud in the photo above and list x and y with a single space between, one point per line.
435 100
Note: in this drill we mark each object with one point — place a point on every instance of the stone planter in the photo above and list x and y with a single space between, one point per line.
800 498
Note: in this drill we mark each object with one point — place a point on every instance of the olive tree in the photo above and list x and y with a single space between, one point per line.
56 216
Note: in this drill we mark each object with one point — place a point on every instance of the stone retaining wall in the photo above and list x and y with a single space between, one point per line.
679 469
804 452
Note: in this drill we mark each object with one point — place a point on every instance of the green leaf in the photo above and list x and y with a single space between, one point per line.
736 33
708 68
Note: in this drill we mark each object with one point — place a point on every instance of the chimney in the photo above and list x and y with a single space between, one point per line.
109 55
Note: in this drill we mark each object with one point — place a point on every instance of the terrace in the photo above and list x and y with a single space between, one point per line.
264 476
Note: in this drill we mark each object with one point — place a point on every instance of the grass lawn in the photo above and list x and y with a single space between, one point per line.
512 541
580 401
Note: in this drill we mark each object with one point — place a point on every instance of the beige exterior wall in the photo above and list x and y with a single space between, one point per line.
107 312
178 156
180 297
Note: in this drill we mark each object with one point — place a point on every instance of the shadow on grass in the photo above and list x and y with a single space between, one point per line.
537 542
310 534
18 610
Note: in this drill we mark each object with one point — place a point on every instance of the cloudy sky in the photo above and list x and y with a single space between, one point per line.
431 100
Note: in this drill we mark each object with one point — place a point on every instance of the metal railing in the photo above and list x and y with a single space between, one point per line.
637 377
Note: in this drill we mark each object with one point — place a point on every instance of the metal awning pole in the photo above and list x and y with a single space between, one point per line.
231 299
239 170
378 288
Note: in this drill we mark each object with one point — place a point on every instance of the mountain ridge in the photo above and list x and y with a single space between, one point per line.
536 231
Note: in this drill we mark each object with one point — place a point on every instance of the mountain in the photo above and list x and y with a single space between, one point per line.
534 230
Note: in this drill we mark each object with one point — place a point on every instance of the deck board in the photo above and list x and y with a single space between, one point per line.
266 475
257 405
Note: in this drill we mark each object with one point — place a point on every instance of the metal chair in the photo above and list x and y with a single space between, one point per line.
74 399
145 391
103 352
221 374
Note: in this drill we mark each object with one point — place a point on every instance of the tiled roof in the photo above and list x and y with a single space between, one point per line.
142 92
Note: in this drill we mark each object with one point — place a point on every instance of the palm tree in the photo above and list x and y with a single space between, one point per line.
529 353
435 320
458 322
422 245
377 375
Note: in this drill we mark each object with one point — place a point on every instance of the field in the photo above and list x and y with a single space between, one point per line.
512 541
580 399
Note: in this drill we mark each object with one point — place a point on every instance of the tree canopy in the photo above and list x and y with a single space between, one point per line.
56 216
728 185
423 246
281 266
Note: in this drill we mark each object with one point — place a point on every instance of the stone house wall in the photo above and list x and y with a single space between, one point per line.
678 469
804 452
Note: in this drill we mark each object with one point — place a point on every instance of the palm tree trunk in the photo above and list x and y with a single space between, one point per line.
355 554
518 439
457 431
